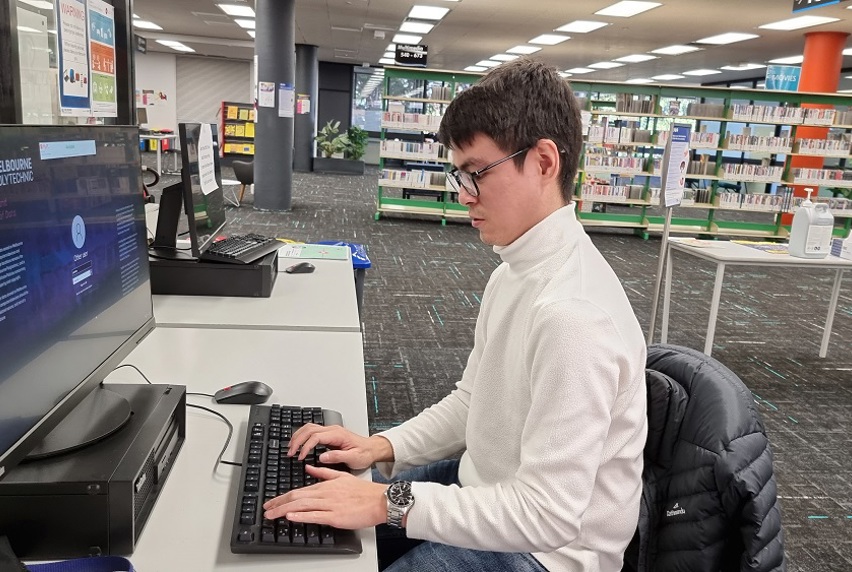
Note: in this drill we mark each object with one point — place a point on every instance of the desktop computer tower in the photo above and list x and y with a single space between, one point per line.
199 278
96 500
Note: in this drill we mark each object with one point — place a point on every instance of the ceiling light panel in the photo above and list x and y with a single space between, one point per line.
667 77
549 39
250 33
427 12
475 68
387 61
580 70
488 63
406 39
798 23
743 67
701 72
146 25
727 38
237 10
247 24
416 27
524 50
636 58
627 8
675 50
788 60
175 45
504 57
847 51
581 26
640 80
606 65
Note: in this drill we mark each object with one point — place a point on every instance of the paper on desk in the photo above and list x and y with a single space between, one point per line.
697 242
206 166
325 251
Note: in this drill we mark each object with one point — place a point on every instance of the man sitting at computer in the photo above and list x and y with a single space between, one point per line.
550 410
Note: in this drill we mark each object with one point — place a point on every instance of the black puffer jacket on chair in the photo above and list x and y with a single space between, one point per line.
709 495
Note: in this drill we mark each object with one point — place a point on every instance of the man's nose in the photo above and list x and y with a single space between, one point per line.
465 197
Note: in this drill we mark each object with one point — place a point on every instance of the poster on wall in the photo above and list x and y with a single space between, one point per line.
286 99
102 56
74 91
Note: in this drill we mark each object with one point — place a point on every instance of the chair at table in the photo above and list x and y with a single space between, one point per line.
244 173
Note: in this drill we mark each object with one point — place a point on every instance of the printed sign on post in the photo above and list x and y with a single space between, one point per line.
675 162
266 94
286 100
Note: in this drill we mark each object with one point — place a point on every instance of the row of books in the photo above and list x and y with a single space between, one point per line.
702 166
631 103
836 147
426 151
747 142
754 173
705 110
703 140
611 193
239 113
239 148
613 163
780 202
820 117
766 113
239 130
418 121
826 176
604 133
417 179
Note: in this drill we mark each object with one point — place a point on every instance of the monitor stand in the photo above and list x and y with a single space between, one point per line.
101 413
165 240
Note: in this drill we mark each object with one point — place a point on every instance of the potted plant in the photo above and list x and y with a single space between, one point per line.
340 154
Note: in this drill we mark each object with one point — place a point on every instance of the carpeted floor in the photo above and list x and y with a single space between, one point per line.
422 297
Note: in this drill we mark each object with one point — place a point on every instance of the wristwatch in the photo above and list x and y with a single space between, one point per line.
400 501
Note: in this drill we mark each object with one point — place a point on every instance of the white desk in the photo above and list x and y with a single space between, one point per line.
189 528
159 138
724 253
323 300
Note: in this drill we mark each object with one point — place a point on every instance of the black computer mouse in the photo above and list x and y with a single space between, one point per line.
246 392
301 268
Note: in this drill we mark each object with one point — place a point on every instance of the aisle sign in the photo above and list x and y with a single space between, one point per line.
802 5
675 161
783 77
408 55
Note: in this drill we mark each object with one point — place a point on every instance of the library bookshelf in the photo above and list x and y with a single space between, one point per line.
237 128
738 181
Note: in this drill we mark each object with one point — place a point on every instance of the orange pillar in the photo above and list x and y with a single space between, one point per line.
820 73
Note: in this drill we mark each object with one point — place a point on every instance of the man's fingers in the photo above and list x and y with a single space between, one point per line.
325 473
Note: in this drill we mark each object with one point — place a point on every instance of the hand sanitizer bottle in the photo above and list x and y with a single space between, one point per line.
810 235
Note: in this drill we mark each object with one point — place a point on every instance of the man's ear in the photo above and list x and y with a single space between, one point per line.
548 159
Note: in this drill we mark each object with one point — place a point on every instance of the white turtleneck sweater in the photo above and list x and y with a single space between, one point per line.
550 413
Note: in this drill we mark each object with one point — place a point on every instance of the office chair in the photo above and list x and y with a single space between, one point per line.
244 173
709 499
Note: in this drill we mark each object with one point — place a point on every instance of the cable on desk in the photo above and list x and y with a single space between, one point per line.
216 413
227 441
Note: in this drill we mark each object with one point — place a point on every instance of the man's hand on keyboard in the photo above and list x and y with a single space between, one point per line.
351 449
341 500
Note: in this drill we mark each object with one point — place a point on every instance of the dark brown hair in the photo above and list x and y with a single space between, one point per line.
516 104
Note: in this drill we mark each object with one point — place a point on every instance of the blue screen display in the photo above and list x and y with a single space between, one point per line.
74 281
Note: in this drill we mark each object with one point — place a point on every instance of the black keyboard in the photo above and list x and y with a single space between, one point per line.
241 249
268 472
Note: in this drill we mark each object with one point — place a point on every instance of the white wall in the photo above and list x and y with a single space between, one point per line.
156 80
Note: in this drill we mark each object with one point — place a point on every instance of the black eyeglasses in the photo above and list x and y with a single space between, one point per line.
467 180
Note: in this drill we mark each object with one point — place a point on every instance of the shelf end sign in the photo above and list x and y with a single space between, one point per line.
802 5
407 55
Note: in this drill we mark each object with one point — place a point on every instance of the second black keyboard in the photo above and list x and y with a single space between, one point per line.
268 472
241 248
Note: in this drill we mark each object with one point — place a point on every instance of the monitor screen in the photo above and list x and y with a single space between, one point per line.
201 176
75 295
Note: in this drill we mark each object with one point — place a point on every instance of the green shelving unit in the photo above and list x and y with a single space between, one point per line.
412 181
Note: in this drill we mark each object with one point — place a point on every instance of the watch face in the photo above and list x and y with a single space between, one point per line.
399 493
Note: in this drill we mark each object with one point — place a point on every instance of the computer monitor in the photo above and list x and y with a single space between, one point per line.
199 194
75 295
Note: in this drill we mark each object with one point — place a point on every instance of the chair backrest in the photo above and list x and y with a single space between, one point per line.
244 171
709 495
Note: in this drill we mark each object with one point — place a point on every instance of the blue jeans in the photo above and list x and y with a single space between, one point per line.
397 553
